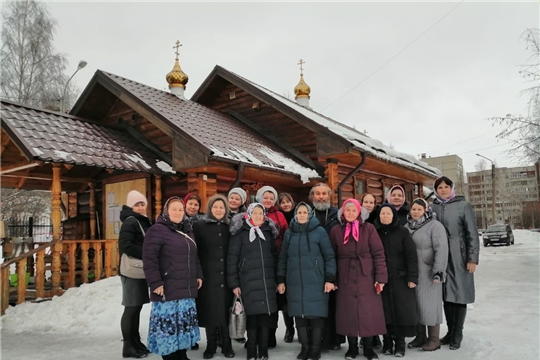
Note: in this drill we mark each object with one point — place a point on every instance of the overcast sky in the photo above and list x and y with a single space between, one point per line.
433 97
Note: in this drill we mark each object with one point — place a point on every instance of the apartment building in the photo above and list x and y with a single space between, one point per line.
451 166
515 189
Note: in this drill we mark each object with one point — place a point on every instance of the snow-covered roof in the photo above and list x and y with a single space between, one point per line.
359 140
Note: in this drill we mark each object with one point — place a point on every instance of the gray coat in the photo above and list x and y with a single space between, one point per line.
464 246
432 251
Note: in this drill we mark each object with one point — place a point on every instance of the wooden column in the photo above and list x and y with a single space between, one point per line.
92 211
211 186
333 179
158 196
56 217
201 180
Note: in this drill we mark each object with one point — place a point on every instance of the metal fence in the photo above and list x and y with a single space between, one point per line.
38 228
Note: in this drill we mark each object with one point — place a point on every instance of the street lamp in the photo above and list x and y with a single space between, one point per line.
81 65
492 186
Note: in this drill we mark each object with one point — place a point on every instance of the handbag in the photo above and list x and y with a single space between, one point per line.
132 267
237 319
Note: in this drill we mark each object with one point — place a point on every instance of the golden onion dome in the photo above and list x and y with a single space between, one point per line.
302 89
177 78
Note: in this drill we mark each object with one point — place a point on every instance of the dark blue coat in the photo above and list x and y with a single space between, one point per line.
170 259
306 262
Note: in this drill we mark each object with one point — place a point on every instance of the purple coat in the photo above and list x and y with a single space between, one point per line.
170 259
359 310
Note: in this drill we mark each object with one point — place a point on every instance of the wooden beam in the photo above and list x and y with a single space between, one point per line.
56 217
201 182
68 166
158 196
332 174
20 183
92 211
143 140
5 142
46 177
19 166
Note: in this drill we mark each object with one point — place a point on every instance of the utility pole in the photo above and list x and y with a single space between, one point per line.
492 186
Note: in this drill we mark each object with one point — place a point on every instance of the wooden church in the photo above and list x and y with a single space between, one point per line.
122 135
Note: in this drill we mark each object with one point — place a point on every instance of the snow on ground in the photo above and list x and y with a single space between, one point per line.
504 323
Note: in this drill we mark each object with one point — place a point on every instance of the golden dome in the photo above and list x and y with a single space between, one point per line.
302 89
177 78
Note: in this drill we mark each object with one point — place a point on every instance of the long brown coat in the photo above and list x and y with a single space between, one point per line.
359 310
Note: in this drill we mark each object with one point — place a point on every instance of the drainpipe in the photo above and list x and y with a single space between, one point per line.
238 176
350 175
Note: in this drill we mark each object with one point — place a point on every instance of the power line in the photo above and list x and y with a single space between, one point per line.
461 142
393 57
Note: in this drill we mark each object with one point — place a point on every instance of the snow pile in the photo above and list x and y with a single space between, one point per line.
85 310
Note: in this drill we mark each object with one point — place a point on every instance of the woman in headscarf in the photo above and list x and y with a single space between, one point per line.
268 197
212 237
399 298
431 242
236 200
362 274
396 197
251 266
174 274
457 215
307 270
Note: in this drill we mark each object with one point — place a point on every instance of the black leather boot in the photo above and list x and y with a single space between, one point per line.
315 344
211 342
352 353
449 315
377 342
289 323
251 344
368 349
263 336
130 350
272 342
460 313
138 343
226 345
181 355
303 338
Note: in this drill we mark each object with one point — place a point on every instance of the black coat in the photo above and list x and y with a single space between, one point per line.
399 301
251 266
327 218
131 238
215 297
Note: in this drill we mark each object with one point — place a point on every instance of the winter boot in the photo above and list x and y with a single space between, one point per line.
303 338
315 345
219 338
211 342
263 336
251 344
399 350
352 353
449 315
460 312
195 347
289 323
368 349
169 357
181 355
272 342
138 343
130 350
433 342
388 345
420 338
226 345
377 342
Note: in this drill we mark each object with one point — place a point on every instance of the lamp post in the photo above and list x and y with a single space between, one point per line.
81 65
492 186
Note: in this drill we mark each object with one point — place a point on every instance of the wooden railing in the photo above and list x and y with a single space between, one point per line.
69 263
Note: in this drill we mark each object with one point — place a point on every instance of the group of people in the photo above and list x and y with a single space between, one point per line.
352 273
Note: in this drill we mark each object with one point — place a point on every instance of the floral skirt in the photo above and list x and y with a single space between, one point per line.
173 326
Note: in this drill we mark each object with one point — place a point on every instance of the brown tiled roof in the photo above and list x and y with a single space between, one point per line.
54 137
221 134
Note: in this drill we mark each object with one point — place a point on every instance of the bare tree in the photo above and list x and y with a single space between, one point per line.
17 205
32 71
523 131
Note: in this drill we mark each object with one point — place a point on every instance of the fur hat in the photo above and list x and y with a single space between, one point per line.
240 192
134 197
264 189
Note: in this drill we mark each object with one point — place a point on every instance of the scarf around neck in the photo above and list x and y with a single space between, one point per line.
424 219
351 228
254 230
